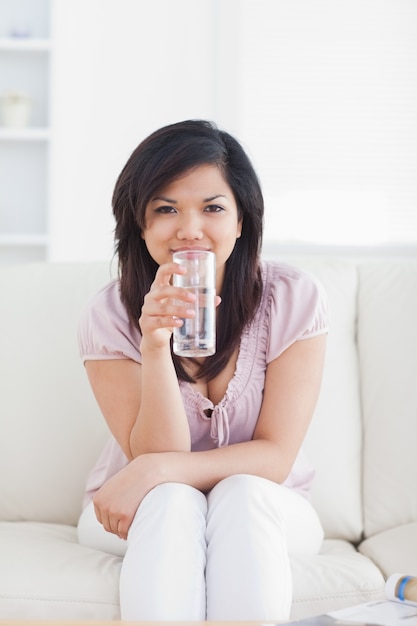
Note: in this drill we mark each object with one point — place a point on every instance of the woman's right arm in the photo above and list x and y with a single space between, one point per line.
142 404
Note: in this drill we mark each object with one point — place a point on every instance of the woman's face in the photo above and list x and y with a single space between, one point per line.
196 211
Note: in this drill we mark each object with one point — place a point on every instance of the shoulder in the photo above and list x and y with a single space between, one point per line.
105 330
291 284
109 294
295 305
105 304
276 271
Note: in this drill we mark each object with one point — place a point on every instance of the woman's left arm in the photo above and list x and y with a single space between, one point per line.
291 391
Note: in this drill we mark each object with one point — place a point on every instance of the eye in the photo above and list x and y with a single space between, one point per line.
213 208
165 209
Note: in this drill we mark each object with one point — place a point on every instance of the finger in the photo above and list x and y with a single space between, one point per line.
173 309
103 518
164 274
169 301
162 293
122 529
125 522
114 525
105 521
110 523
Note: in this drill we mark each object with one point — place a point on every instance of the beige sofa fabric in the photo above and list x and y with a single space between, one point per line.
362 441
387 343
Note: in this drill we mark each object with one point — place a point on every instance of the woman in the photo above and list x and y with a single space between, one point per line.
203 488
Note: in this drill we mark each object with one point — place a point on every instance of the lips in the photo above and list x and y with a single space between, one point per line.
190 249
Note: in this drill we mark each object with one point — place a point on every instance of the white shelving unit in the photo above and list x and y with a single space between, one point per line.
24 134
23 44
25 58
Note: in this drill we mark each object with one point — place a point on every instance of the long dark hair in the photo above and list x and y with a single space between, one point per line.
164 156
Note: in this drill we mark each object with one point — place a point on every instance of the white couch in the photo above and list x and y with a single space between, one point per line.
363 441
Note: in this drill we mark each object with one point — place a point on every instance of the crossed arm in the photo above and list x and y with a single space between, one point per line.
143 407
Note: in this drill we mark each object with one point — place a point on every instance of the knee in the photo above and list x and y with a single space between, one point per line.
171 502
245 483
244 494
177 495
243 487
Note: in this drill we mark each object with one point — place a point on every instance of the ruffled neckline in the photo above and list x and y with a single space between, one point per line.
248 348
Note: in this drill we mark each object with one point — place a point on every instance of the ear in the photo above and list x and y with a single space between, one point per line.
239 228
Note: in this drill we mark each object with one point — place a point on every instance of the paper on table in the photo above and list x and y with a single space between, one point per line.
383 613
399 610
326 620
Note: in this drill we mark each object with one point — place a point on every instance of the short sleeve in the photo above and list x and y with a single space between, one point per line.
104 329
298 308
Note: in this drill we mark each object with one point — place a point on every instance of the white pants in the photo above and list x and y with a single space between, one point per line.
224 556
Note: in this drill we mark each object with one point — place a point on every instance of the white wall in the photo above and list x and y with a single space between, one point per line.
122 68
322 93
329 110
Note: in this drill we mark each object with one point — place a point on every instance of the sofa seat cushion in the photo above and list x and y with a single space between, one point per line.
393 550
46 574
336 578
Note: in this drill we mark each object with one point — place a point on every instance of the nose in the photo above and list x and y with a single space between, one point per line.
190 228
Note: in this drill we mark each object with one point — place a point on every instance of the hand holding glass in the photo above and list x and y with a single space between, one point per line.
197 336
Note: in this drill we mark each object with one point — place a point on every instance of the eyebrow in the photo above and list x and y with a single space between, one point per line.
171 201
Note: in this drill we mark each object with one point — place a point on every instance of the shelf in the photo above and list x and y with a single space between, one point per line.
26 61
24 44
23 240
24 134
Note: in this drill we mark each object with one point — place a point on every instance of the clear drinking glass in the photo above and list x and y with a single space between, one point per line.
197 336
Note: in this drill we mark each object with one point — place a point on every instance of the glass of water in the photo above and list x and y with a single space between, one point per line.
197 336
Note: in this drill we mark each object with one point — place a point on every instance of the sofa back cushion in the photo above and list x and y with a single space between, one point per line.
387 341
50 428
334 439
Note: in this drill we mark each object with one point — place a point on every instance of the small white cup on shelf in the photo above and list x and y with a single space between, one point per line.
15 108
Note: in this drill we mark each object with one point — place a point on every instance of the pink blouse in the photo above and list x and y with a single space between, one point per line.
293 307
